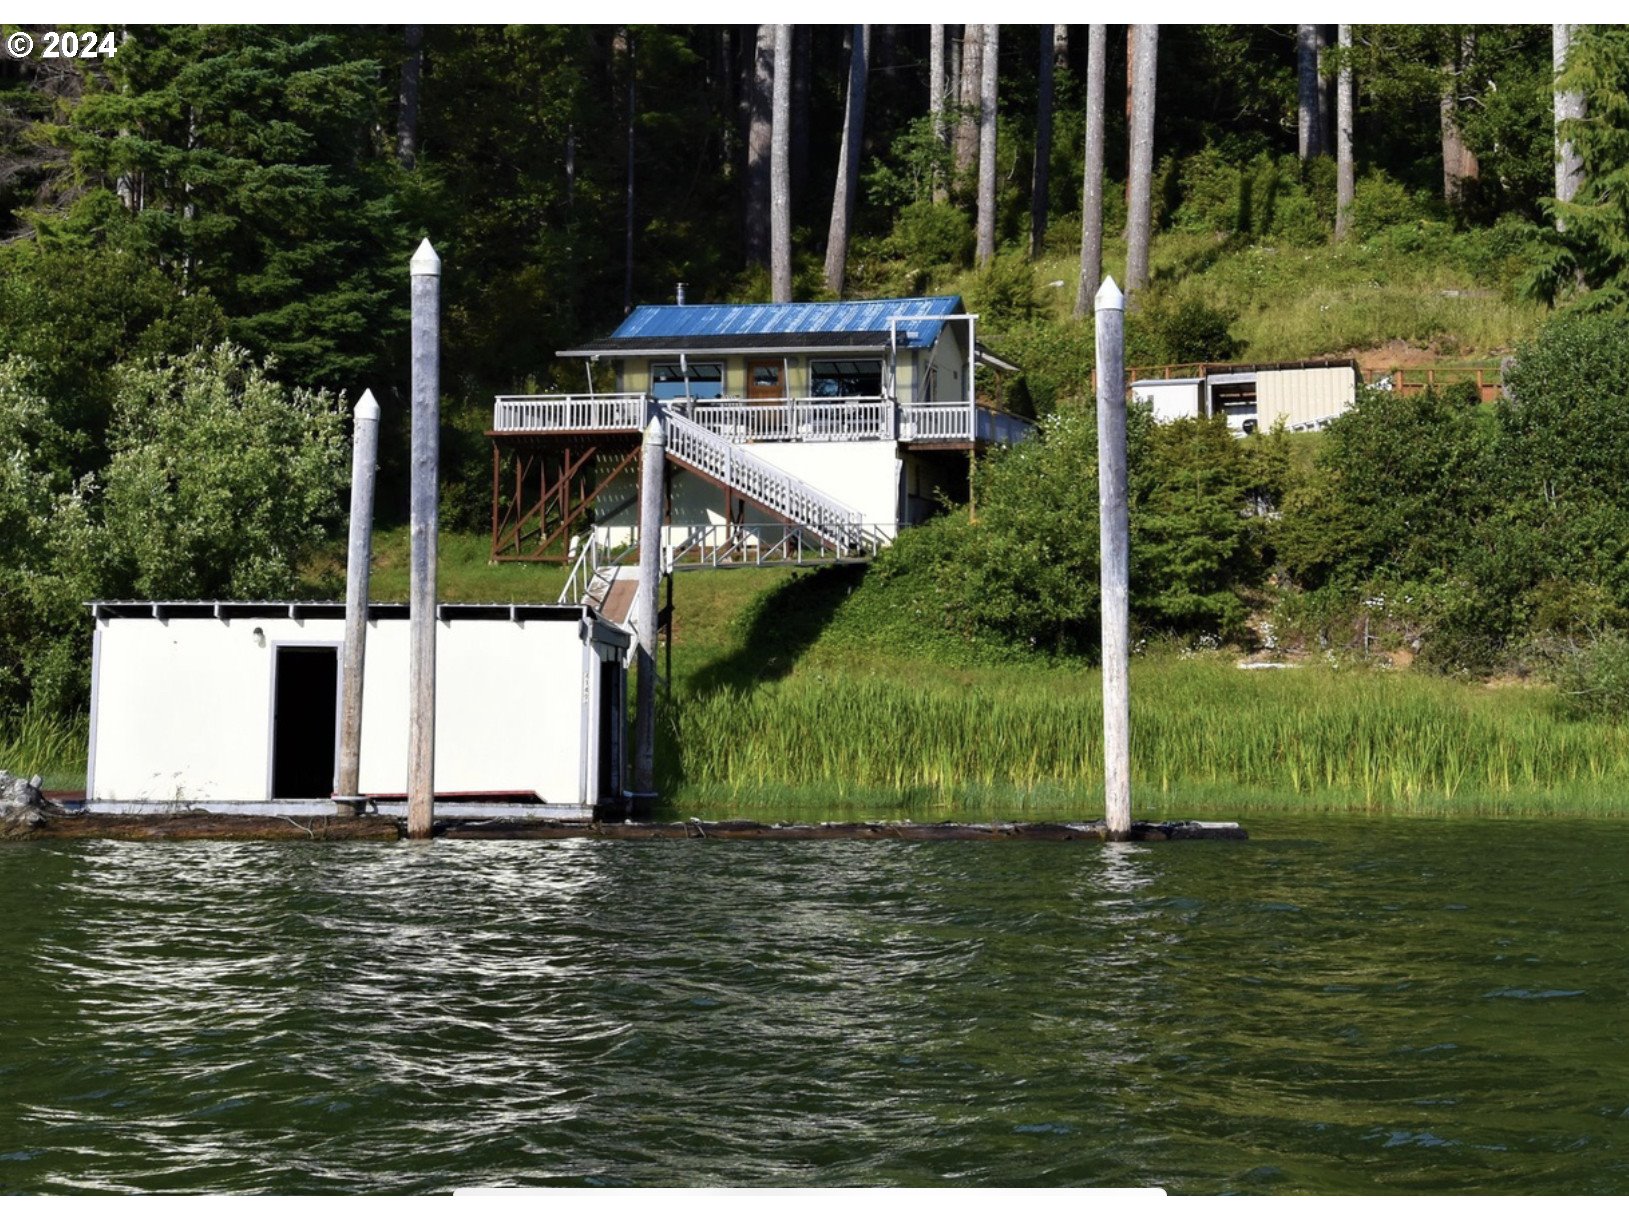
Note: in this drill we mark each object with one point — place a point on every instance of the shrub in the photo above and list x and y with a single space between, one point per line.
1378 203
1005 291
1186 329
1593 678
928 233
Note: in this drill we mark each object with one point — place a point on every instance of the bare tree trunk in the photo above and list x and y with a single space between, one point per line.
1060 47
1569 107
954 53
967 130
628 227
1091 196
571 166
1345 175
1306 72
1459 163
989 67
758 138
1139 218
780 171
407 110
1326 94
848 161
1040 178
936 99
726 100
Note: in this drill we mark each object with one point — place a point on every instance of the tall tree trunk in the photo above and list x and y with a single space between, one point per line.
936 100
758 137
407 109
989 67
1459 163
848 160
967 128
780 171
1306 94
631 45
1326 93
571 166
1345 175
802 75
1569 107
1060 47
726 101
1040 178
1091 195
1139 217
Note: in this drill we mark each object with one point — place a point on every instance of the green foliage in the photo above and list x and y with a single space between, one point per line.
1005 292
917 160
1595 246
48 552
928 234
1192 547
222 482
243 155
1593 678
1184 328
1379 202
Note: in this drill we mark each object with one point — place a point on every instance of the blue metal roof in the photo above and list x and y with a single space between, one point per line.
794 318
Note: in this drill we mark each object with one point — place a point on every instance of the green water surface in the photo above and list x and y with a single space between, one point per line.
1337 1005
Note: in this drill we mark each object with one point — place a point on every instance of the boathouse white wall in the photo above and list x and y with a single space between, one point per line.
183 701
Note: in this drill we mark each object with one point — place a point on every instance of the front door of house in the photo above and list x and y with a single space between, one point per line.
766 379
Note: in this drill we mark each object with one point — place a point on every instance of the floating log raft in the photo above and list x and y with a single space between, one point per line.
52 822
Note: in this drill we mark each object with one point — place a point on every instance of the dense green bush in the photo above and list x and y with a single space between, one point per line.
1593 677
933 234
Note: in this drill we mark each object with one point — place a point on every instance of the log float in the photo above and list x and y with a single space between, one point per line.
53 823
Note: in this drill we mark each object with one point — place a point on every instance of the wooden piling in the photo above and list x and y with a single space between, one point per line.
364 463
1114 537
652 464
421 746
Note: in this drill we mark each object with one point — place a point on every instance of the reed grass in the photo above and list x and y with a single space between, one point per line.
33 744
1204 735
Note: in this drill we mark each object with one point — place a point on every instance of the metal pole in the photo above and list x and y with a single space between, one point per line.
652 461
1114 535
364 463
421 734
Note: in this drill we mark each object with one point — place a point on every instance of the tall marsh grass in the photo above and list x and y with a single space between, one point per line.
33 744
1202 735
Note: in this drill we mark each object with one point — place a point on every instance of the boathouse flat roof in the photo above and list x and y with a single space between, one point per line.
445 611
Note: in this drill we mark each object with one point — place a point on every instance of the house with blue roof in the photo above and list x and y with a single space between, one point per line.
796 433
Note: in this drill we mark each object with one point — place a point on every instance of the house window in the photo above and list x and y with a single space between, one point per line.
845 379
667 381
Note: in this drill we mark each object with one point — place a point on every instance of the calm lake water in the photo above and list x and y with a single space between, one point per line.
1336 1005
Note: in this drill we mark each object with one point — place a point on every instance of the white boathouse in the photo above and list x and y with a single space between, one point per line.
235 705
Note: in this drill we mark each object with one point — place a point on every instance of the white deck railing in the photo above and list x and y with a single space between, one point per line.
570 412
738 469
747 420
849 419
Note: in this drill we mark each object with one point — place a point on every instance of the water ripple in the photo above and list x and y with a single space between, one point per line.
1333 1006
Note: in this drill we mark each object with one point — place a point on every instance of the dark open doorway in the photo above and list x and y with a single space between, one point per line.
304 717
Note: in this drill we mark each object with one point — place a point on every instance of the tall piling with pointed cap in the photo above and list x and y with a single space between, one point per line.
421 741
1114 537
652 466
359 555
